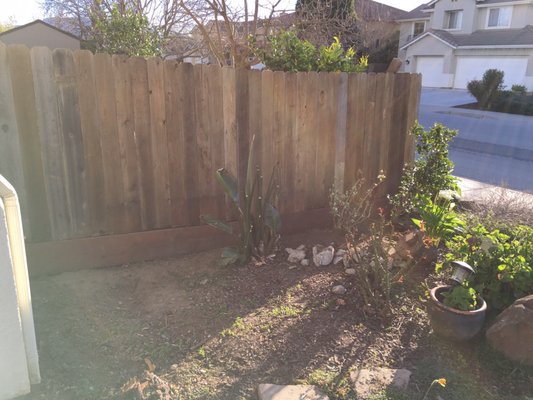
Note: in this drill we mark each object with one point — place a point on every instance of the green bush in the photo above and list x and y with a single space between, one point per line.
502 259
519 89
512 103
285 51
488 89
430 173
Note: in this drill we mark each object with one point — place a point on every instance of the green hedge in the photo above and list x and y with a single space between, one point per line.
512 103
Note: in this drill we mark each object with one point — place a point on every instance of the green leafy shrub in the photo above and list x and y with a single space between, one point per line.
461 297
502 258
259 221
519 89
437 219
512 103
430 173
488 89
285 51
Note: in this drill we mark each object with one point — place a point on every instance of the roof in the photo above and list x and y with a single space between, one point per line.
39 21
369 10
481 2
483 38
417 13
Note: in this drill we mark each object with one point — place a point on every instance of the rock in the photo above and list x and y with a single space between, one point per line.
340 255
339 289
290 392
305 262
204 281
367 382
295 255
512 331
323 257
350 271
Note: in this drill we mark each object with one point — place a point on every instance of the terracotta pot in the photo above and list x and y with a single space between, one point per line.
451 323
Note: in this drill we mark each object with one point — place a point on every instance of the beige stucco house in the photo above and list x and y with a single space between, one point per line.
40 33
451 42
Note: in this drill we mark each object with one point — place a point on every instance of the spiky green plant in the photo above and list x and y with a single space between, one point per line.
259 222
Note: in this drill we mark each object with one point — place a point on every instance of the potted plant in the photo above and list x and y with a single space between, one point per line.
457 311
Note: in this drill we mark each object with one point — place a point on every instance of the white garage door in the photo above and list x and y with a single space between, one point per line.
469 68
432 69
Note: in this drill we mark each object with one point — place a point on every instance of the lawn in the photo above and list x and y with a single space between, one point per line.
212 332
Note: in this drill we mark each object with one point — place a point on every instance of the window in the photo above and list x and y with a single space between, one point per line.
453 19
419 28
499 17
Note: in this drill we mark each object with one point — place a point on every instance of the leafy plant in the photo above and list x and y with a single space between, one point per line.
285 51
519 89
461 297
258 220
430 173
128 32
502 258
437 219
488 89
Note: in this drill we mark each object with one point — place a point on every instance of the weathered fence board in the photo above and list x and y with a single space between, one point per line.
102 145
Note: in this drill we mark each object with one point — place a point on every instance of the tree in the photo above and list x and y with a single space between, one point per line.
226 27
10 24
333 9
126 32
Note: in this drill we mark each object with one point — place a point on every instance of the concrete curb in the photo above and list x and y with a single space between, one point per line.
492 148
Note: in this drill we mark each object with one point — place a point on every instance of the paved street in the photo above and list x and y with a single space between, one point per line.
494 148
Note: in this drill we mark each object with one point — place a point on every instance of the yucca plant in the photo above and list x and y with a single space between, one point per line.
259 222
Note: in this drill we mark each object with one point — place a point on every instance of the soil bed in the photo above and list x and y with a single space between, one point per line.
215 332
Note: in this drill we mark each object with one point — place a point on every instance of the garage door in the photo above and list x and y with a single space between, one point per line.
432 69
469 68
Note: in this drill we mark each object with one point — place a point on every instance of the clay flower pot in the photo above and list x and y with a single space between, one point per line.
451 323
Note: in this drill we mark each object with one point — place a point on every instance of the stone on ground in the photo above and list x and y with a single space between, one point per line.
290 392
367 382
512 332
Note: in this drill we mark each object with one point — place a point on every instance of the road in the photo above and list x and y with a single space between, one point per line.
493 148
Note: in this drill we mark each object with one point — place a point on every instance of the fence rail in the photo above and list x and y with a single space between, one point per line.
99 145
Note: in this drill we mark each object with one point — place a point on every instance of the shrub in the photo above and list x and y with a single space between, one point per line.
259 220
437 219
430 173
285 51
503 261
511 103
519 89
488 89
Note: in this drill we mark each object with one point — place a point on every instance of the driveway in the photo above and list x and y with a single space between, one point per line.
491 147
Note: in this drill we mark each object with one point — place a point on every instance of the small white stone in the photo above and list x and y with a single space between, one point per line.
350 271
323 257
305 262
339 289
296 255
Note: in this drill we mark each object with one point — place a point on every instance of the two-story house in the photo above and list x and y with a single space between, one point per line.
451 42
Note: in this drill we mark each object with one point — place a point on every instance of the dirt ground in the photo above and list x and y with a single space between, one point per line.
217 332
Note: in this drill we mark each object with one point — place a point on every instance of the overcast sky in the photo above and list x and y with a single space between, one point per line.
25 11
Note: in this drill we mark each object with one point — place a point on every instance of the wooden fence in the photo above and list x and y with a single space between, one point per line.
102 145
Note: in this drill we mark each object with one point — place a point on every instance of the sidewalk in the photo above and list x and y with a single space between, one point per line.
480 192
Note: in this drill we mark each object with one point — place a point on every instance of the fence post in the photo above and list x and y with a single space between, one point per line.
340 132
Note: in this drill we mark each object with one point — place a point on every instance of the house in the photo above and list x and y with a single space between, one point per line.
40 33
451 42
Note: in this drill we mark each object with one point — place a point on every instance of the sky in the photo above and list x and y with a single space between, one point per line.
24 11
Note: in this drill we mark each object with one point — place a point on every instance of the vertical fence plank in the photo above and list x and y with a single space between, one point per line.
90 131
370 160
266 116
143 139
310 140
278 126
255 111
241 104
175 142
326 137
51 141
229 102
340 131
288 161
386 130
355 141
107 117
127 140
36 213
156 93
414 101
69 115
